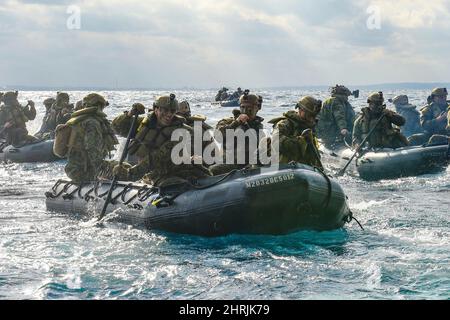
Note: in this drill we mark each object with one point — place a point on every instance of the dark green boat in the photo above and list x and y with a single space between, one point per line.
36 152
275 200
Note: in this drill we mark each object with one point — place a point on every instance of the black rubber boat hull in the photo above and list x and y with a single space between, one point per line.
404 162
230 103
36 152
272 201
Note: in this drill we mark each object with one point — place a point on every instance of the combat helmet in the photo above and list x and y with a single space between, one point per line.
439 92
184 107
10 97
400 100
49 102
167 102
340 90
94 100
376 98
250 100
62 97
310 105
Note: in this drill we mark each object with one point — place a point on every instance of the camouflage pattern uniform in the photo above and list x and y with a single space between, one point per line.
430 112
59 113
48 103
234 124
152 145
294 147
448 121
336 115
91 141
222 95
12 112
411 115
385 135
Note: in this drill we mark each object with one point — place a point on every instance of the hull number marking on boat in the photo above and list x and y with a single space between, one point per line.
269 181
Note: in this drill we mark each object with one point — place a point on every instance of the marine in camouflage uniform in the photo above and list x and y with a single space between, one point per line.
184 110
59 113
411 115
222 95
335 120
13 119
48 105
245 119
433 116
152 145
295 133
91 141
385 135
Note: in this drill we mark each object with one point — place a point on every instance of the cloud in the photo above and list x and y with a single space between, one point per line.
201 43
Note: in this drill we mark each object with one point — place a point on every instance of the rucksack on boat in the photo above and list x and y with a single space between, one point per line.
63 133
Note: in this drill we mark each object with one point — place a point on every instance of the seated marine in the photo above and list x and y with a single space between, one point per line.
152 145
384 135
90 141
59 113
411 115
13 119
247 120
295 133
434 115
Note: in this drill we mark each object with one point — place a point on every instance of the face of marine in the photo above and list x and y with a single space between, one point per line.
165 115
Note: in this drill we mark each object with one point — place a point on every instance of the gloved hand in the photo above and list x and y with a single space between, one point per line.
31 103
243 118
137 108
345 132
121 171
388 113
307 135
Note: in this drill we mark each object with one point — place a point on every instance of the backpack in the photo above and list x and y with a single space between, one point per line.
63 133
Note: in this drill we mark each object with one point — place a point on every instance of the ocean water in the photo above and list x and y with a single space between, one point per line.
403 253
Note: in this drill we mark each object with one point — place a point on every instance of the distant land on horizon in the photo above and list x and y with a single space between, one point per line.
381 86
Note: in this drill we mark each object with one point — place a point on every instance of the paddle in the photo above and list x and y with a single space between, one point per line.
342 171
315 151
122 159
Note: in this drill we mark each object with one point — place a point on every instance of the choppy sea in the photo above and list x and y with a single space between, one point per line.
403 253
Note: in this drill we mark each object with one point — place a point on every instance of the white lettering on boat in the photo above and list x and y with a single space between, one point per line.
269 181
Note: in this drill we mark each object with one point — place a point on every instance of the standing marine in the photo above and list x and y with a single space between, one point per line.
246 120
87 139
385 135
411 115
13 119
153 146
295 133
336 119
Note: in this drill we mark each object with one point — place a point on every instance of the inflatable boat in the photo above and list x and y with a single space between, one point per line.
403 162
276 200
393 163
230 103
36 152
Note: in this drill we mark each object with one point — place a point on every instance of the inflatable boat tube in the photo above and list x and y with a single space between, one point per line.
230 103
36 152
403 162
276 200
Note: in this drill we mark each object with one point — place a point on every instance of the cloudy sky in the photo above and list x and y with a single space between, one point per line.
200 43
